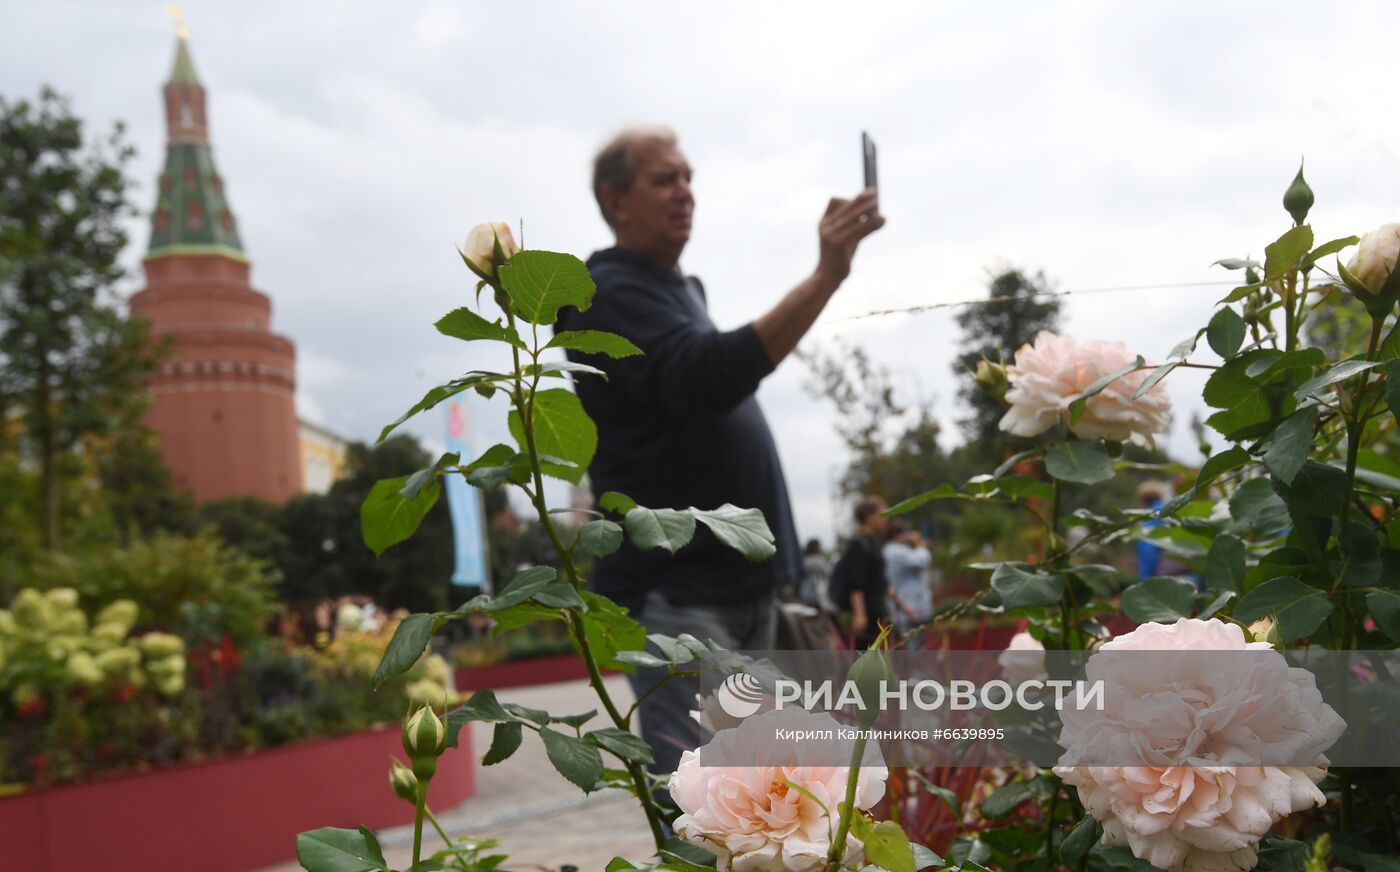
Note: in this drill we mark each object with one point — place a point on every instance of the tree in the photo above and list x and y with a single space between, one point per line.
71 363
894 450
325 556
1014 313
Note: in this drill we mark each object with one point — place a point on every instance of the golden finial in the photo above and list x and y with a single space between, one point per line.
182 30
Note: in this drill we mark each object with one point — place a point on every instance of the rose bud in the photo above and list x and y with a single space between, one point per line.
870 674
403 782
488 246
1375 257
424 739
1298 199
991 378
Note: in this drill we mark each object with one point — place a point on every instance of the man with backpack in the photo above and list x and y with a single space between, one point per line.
858 581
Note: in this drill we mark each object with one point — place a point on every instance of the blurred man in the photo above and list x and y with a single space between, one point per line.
680 426
907 563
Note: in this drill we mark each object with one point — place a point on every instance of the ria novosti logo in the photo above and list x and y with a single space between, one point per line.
740 695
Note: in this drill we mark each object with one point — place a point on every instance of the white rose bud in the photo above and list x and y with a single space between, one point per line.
424 739
488 246
1375 257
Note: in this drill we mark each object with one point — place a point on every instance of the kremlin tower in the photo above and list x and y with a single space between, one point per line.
223 399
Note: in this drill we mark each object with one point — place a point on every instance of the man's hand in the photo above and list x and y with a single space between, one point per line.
859 620
844 225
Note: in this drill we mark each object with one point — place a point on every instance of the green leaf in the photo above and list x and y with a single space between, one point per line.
1161 599
612 501
625 745
410 638
1229 385
1120 857
1257 509
1216 605
924 858
1080 841
438 394
1284 254
1076 406
540 283
886 845
1297 608
1341 372
1225 333
1156 375
1271 363
610 630
1292 442
944 491
1078 461
1225 563
1384 606
559 595
594 342
576 759
505 739
949 798
599 538
422 477
465 324
1020 588
523 586
562 429
1219 464
659 528
558 368
744 530
332 849
388 518
1008 798
1318 490
1327 248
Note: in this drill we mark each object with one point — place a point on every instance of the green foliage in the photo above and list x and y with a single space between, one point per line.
195 586
71 363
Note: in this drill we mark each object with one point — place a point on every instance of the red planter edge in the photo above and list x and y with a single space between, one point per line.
521 673
232 814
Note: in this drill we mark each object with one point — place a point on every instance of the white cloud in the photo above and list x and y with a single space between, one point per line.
1105 144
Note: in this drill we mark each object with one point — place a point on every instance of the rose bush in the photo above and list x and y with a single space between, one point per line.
1292 522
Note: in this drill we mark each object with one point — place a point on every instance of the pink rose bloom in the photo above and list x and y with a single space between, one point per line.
748 818
1023 660
1048 375
1201 803
1375 257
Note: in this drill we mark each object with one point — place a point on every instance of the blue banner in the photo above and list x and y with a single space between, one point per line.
473 563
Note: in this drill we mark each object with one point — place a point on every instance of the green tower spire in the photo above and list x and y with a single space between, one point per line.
183 71
192 214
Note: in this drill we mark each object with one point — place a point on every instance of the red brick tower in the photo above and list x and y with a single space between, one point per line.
224 400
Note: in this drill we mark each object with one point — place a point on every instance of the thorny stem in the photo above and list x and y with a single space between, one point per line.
576 627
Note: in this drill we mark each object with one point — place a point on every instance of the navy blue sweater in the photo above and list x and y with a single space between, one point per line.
680 427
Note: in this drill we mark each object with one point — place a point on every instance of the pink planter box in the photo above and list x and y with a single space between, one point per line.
233 814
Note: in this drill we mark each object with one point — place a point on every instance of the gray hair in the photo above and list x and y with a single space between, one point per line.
615 166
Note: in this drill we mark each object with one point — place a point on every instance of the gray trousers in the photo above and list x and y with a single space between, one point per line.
665 715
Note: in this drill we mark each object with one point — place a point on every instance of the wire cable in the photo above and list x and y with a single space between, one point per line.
913 310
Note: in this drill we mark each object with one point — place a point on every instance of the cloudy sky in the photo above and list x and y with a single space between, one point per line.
1107 144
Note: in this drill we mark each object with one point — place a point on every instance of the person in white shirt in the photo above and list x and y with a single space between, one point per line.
907 562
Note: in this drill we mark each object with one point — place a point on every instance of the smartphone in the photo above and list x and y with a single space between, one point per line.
867 149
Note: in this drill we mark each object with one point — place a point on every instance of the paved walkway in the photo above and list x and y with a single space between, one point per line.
538 818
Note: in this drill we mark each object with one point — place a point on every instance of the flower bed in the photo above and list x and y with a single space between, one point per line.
226 815
520 673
